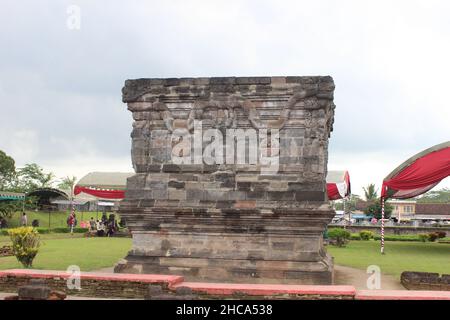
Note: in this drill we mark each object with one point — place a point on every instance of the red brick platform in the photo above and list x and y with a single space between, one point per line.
401 295
136 286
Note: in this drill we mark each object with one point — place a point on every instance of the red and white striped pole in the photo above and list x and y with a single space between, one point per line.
382 225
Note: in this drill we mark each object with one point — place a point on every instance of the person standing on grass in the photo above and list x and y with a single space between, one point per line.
100 228
104 218
71 222
111 225
92 225
24 219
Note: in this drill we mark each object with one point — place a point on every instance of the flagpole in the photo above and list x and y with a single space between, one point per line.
382 225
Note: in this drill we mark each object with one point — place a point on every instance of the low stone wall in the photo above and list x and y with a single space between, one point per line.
397 230
162 287
92 284
140 286
425 281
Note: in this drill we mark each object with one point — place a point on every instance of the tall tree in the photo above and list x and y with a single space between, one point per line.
435 196
374 209
370 193
7 170
350 205
32 176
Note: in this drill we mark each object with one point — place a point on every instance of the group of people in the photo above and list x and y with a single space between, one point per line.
106 226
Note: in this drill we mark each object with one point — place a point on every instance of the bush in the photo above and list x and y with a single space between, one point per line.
441 234
366 235
355 236
43 230
339 236
423 237
67 230
25 244
433 236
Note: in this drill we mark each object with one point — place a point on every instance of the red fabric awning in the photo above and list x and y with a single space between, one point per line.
101 193
418 174
338 184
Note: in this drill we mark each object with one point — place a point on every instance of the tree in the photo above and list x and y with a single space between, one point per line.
7 170
68 183
349 205
339 237
435 196
7 208
370 193
374 209
32 176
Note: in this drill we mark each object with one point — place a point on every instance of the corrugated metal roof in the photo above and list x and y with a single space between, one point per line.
68 202
113 180
433 208
430 217
5 195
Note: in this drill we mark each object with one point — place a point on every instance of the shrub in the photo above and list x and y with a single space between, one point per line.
441 234
67 230
339 236
433 236
423 237
43 230
355 236
25 244
366 235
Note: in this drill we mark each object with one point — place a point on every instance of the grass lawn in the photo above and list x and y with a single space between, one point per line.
400 256
57 219
4 240
88 253
58 251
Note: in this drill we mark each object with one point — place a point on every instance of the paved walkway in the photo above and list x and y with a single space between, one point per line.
358 278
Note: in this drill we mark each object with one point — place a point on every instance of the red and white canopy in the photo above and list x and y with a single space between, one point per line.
104 185
338 184
419 173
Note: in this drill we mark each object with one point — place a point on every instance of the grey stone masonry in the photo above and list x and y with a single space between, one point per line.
247 216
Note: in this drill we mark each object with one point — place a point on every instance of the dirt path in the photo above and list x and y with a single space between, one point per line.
358 278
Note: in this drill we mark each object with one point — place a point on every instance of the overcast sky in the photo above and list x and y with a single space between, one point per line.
60 88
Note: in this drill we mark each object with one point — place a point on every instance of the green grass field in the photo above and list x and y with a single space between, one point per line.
58 251
87 253
400 256
56 219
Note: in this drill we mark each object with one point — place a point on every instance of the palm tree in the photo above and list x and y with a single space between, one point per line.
370 193
47 180
68 183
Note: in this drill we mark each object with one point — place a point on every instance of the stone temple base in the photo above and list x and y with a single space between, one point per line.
258 219
291 255
232 270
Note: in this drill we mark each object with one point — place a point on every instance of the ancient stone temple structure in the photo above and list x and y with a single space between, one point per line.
230 178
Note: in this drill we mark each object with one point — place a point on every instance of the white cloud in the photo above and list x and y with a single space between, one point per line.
22 144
